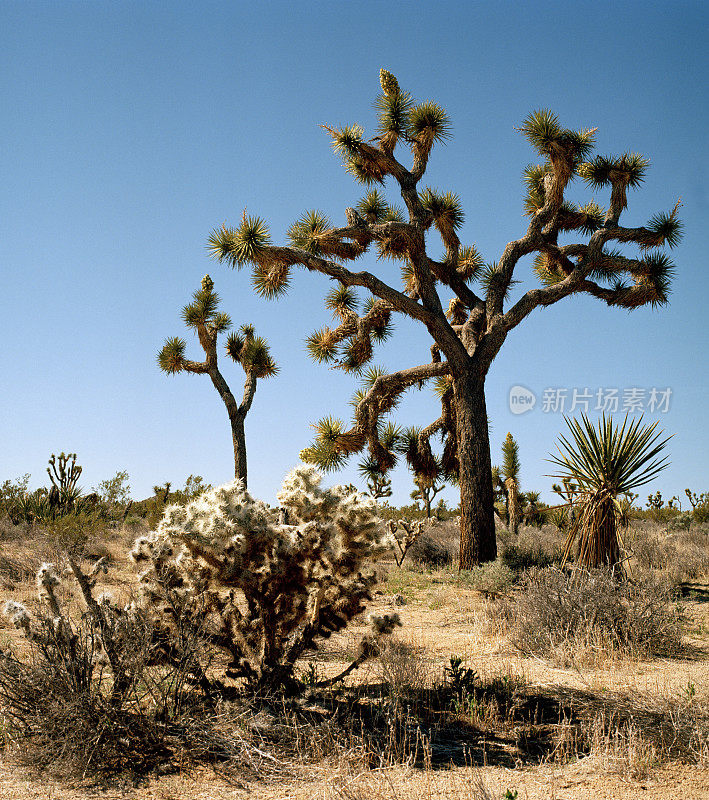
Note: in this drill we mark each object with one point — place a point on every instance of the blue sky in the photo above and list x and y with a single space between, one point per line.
131 129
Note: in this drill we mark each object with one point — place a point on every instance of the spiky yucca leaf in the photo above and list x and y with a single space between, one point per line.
660 271
393 113
429 121
605 462
306 230
202 309
271 282
346 140
447 210
394 214
442 385
629 169
322 346
533 177
542 129
390 435
171 357
220 322
545 271
365 170
544 132
492 277
667 228
371 374
510 458
341 301
256 358
382 327
470 262
242 245
373 207
611 457
234 345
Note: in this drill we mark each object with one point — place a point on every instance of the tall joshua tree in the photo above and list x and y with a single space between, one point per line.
245 348
468 334
510 475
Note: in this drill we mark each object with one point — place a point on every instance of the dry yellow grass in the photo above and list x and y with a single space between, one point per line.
441 618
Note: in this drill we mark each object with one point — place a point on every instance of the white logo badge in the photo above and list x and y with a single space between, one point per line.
521 400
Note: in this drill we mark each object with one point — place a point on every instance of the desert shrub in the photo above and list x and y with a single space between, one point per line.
520 557
402 667
491 579
558 615
430 552
264 592
94 694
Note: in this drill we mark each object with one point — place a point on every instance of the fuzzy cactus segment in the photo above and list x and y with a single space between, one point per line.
261 590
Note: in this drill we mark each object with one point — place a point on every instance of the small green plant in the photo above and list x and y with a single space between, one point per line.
460 678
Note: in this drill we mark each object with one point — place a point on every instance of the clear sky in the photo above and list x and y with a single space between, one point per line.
131 129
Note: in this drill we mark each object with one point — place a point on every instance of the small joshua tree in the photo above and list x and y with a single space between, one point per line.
262 592
64 475
378 485
244 348
505 484
461 301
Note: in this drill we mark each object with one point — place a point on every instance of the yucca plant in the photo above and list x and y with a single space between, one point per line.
467 304
244 348
605 461
510 471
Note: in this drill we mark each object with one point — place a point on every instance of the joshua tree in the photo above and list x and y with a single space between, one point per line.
246 349
510 475
378 485
470 332
605 463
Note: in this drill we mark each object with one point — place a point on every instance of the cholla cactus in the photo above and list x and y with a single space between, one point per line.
404 535
261 591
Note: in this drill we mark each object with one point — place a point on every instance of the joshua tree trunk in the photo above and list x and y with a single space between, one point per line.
477 518
237 415
513 505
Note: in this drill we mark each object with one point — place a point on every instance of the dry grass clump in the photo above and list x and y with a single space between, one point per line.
570 618
438 546
683 555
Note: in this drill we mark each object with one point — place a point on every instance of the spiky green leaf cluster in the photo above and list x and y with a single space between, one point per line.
544 132
202 309
470 262
446 208
171 357
321 346
609 457
324 452
342 301
242 245
510 458
667 228
492 278
628 170
307 229
429 120
533 178
346 140
393 112
373 207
